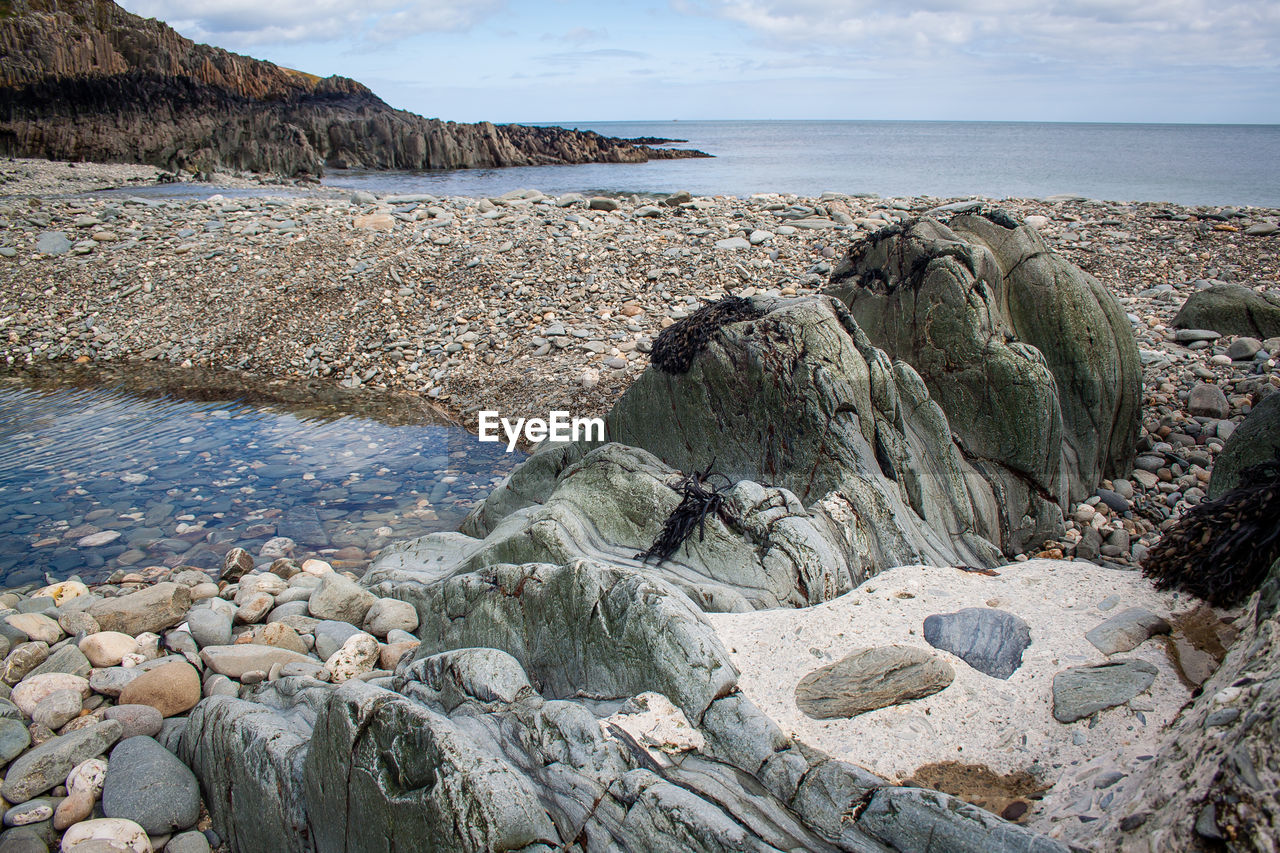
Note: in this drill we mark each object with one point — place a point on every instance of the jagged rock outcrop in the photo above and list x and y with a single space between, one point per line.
836 464
1031 359
536 741
86 80
1213 782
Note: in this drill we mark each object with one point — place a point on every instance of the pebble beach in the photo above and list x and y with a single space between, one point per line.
523 304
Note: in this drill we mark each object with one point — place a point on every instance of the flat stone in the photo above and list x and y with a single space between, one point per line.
57 709
37 626
53 243
1126 631
148 610
991 641
106 834
235 661
148 785
68 659
733 243
49 763
1082 691
872 678
1189 336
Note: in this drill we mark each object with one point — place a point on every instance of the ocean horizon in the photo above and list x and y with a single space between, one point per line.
1202 164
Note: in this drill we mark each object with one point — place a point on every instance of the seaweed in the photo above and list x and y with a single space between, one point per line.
699 500
1221 549
677 345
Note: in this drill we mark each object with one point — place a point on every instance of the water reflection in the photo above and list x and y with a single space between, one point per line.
106 471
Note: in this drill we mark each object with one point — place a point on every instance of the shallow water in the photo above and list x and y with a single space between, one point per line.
184 477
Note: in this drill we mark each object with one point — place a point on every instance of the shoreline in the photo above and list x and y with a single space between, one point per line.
526 303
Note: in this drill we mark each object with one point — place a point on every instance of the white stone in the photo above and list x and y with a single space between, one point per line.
88 776
124 834
358 655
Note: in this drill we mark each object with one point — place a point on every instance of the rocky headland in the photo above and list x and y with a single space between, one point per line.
933 440
88 81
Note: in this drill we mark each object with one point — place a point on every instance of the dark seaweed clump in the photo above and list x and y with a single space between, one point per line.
677 345
1221 549
699 500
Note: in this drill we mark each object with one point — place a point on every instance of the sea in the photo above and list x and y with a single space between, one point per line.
1193 164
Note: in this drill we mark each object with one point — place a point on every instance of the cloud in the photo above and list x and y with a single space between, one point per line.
583 35
581 57
1067 32
247 22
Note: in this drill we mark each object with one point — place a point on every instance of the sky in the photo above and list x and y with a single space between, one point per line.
1205 61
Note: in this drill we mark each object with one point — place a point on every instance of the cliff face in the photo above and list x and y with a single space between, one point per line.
86 80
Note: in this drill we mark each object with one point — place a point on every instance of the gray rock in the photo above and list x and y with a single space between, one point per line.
14 739
1056 407
1082 691
112 680
916 820
871 678
53 243
330 636
57 709
148 785
991 641
1126 631
136 719
1208 401
249 762
602 203
341 599
234 661
388 614
68 659
733 243
48 764
188 842
1232 309
151 609
1256 440
28 839
208 627
1244 349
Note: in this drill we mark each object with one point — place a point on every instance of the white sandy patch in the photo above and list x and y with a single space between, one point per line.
1006 725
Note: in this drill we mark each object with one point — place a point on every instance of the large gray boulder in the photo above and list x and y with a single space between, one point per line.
1031 359
1231 309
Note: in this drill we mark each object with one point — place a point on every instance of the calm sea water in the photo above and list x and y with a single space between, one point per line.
1188 164
178 480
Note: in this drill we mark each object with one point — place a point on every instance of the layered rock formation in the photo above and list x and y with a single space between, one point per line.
836 463
533 718
1032 359
86 80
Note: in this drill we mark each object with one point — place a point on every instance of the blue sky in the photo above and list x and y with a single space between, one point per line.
567 61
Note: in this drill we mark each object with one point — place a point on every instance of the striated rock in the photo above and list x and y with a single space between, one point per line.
989 640
915 819
871 678
86 80
1231 309
148 610
1031 359
48 764
1082 691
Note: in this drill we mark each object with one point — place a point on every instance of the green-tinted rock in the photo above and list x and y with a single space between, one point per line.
1231 309
1256 440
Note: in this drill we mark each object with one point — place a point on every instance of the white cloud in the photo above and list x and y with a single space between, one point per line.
1124 33
235 23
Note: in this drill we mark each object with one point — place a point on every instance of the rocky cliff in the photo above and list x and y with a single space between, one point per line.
86 80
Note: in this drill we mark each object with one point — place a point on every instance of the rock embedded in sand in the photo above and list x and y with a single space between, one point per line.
1082 691
1126 631
989 640
872 678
